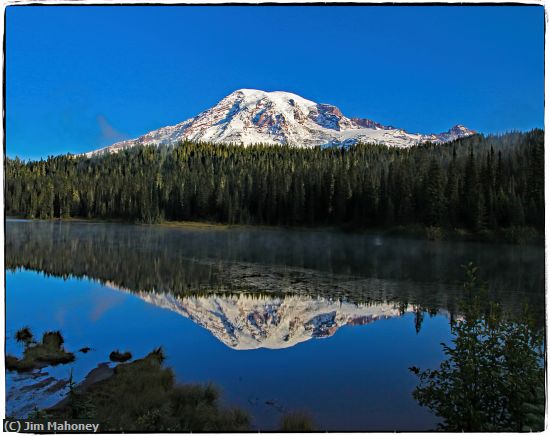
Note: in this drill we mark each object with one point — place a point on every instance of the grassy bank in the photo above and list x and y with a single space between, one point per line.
142 396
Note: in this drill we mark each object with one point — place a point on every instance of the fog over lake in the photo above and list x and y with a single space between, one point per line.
319 321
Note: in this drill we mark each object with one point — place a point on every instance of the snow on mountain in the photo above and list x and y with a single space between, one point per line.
249 116
252 321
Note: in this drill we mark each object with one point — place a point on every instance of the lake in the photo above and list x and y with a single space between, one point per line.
316 321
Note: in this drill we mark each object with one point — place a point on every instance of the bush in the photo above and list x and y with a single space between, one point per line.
493 377
24 335
53 340
296 422
519 235
117 356
434 233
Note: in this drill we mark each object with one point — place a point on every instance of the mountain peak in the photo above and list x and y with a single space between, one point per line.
456 132
250 116
275 97
461 128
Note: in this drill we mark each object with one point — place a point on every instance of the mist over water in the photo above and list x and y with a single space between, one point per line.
364 266
281 320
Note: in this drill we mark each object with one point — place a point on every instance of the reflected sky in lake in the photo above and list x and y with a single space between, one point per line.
330 327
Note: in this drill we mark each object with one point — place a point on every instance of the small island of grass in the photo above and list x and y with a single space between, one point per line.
49 351
117 356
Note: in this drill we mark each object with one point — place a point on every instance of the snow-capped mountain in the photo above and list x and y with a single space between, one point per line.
249 116
252 321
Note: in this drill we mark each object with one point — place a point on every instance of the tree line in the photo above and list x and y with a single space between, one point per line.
476 183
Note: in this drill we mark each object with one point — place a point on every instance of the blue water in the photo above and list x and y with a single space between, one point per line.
355 380
279 321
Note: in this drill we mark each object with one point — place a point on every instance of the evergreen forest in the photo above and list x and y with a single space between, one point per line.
475 183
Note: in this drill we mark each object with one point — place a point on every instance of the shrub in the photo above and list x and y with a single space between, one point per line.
519 235
296 422
434 233
53 340
117 356
24 335
493 377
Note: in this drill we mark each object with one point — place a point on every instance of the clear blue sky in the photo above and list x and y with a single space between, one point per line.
78 78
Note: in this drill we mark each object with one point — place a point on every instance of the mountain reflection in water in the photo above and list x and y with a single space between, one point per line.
359 268
279 320
248 321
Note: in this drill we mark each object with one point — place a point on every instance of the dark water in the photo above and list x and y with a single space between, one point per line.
327 323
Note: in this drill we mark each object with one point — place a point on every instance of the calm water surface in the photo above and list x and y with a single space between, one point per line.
327 323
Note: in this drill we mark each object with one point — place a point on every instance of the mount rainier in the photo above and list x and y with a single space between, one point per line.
248 322
249 116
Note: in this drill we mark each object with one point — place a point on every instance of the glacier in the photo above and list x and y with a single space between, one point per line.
250 116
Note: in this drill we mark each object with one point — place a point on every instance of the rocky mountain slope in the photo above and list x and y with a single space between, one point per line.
249 116
250 321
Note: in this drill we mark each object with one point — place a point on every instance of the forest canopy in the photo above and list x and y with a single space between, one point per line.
475 183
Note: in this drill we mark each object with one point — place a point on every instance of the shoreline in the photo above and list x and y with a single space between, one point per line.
509 235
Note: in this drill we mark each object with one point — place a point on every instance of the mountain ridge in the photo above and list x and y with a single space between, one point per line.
250 116
249 322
